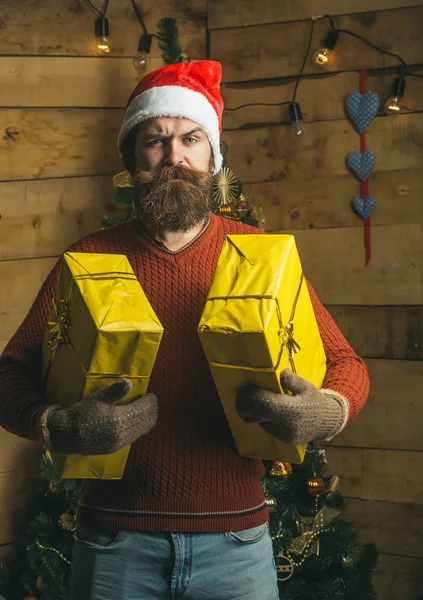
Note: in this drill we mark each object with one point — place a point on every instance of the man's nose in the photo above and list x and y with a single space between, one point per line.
173 153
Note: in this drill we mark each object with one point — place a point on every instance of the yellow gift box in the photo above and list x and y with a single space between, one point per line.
257 321
101 328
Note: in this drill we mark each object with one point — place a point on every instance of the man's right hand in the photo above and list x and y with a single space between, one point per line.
96 425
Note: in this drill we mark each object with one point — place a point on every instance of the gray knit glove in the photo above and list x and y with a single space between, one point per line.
309 414
95 425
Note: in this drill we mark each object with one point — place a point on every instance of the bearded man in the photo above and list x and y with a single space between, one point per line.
188 518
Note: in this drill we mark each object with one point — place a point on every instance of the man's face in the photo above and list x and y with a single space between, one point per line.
173 176
166 141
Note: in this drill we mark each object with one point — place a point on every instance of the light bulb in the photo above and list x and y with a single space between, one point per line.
101 30
324 55
140 62
297 130
103 44
296 116
394 106
141 59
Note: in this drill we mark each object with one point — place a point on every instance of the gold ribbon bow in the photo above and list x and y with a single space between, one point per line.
287 335
57 328
286 332
310 528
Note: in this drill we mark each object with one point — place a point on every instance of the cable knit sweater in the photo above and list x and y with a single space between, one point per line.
185 475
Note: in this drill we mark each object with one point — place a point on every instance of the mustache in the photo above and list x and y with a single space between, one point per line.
166 174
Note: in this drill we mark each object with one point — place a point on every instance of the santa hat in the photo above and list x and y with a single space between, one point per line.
185 90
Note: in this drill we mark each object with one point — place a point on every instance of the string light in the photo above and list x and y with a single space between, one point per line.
295 113
141 59
322 58
324 55
393 105
296 116
101 27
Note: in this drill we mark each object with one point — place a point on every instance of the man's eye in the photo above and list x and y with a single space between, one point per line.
154 142
191 140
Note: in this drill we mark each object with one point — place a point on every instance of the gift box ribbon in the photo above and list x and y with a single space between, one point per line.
57 327
286 332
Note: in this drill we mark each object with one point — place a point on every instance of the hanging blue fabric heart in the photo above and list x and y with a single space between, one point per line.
362 108
364 208
361 163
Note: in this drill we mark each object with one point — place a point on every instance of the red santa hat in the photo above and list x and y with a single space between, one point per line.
185 90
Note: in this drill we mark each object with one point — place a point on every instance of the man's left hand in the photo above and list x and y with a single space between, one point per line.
309 414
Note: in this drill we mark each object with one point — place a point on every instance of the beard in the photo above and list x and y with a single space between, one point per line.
161 203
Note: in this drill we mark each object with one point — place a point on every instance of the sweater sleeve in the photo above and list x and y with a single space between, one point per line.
21 398
346 372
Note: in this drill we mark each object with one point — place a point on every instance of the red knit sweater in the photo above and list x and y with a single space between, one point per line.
185 475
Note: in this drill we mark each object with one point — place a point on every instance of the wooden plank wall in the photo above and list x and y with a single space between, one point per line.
60 111
305 188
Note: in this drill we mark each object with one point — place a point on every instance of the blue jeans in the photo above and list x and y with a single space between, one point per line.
132 565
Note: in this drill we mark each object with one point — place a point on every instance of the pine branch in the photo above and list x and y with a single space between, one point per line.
168 40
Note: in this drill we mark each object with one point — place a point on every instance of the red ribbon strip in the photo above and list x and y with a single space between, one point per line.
364 185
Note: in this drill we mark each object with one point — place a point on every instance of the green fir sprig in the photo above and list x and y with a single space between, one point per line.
168 41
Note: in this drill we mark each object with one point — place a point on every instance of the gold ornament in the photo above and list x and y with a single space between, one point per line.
123 179
281 469
225 187
39 583
228 210
242 207
284 566
271 504
67 521
315 486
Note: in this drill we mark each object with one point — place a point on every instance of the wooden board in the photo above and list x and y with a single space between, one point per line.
322 97
382 331
66 81
271 153
399 577
277 50
390 418
67 28
394 528
15 300
14 491
389 475
323 202
19 465
43 217
18 454
333 260
238 13
59 143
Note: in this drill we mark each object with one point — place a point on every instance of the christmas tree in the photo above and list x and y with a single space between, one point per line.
41 568
317 554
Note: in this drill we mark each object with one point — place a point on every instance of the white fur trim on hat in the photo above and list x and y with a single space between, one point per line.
174 101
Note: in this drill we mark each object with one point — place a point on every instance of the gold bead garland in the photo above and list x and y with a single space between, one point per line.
59 554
